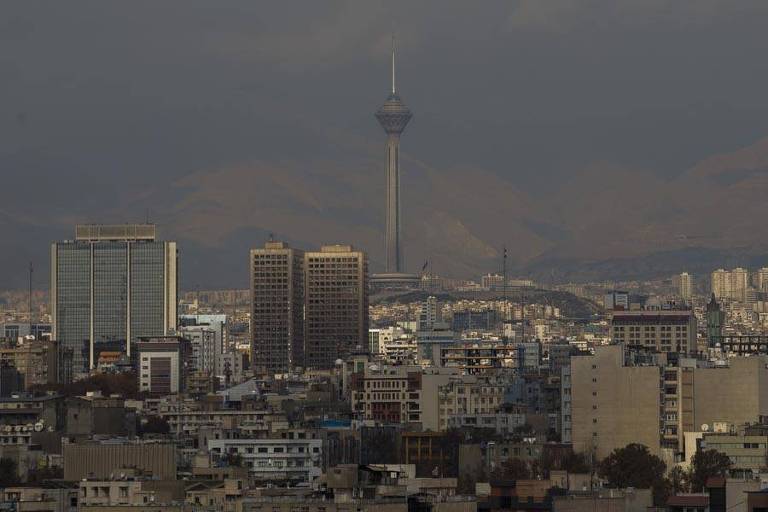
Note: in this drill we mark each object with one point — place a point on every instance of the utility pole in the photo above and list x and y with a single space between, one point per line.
504 292
31 269
522 313
504 275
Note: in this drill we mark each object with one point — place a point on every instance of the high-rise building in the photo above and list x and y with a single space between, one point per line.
721 285
203 344
715 321
731 285
616 300
214 322
208 336
761 279
740 284
335 305
113 283
431 332
393 116
608 404
429 314
492 282
686 287
277 307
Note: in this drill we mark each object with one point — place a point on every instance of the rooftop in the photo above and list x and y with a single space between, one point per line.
106 232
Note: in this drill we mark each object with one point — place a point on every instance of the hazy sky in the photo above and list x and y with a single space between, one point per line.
105 105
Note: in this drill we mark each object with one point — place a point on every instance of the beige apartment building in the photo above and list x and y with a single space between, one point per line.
96 460
730 284
399 394
660 330
37 360
470 397
611 404
747 453
696 399
607 404
736 394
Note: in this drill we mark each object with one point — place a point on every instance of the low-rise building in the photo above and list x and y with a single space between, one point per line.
473 401
95 414
36 360
661 330
162 364
274 459
747 453
40 499
192 421
102 459
607 500
128 488
27 410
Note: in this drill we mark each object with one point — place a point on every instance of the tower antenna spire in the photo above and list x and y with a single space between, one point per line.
393 63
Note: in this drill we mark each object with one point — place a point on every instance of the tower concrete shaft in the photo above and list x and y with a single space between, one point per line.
394 256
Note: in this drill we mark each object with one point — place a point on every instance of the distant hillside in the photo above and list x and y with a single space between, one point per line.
699 261
570 305
606 222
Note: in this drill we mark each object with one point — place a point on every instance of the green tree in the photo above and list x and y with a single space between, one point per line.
40 475
679 480
553 436
706 464
562 457
577 463
125 384
8 472
155 425
635 466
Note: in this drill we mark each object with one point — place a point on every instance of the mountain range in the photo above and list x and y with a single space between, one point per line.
604 222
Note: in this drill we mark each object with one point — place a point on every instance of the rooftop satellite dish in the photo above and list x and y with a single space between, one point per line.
704 427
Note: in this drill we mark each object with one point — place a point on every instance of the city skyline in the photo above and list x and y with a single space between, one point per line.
539 145
224 289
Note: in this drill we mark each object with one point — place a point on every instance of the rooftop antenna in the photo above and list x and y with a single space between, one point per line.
504 275
393 63
522 314
504 287
31 269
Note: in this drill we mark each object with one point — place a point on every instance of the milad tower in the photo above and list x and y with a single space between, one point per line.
393 116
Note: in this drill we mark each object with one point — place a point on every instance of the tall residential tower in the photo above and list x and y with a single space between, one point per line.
686 287
277 307
335 304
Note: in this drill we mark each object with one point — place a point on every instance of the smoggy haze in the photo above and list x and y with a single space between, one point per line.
569 131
